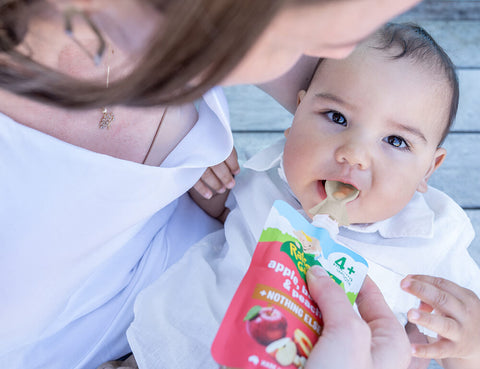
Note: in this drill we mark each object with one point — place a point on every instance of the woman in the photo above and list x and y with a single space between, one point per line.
93 201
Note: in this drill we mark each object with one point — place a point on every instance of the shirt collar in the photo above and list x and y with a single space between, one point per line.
414 220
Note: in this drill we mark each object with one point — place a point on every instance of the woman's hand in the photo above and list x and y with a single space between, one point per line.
219 178
453 312
376 340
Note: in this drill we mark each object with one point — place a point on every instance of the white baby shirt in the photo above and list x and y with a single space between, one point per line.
82 233
177 317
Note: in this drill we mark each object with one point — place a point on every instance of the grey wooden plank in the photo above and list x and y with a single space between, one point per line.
460 39
453 24
469 106
474 248
445 10
459 176
253 110
248 144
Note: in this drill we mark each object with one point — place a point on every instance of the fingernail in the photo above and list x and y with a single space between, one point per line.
222 190
208 195
231 184
318 271
413 315
405 283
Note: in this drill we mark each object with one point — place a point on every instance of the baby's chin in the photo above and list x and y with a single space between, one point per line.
356 219
354 216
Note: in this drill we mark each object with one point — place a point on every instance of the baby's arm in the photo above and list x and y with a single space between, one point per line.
215 206
211 190
453 312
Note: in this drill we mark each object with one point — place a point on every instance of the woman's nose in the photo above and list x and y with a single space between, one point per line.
354 153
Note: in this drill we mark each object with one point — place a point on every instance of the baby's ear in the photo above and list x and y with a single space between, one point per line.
300 96
437 160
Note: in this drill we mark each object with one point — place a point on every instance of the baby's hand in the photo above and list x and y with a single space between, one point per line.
219 178
453 312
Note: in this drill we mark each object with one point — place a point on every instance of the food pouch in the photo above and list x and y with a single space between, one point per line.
272 322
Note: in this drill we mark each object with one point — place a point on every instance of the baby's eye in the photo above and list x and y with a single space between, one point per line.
336 117
397 142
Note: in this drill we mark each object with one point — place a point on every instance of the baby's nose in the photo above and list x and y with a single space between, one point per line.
354 153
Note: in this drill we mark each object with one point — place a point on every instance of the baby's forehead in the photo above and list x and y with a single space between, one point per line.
369 53
370 72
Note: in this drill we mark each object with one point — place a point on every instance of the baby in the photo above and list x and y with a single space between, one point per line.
375 120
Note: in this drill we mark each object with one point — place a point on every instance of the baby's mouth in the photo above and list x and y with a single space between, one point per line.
345 191
342 190
321 189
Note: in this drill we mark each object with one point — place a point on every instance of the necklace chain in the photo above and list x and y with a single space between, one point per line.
107 116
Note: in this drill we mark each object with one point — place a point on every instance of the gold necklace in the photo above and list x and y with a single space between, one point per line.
155 136
107 116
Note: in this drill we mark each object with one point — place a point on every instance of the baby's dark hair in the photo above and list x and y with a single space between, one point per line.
416 43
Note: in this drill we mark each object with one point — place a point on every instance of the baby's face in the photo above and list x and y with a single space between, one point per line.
372 122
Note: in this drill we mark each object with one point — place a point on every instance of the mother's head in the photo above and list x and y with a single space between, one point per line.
192 46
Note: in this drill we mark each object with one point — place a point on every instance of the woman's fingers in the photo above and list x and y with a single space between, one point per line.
330 297
390 343
343 330
371 304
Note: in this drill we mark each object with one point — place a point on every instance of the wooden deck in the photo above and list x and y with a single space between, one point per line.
257 120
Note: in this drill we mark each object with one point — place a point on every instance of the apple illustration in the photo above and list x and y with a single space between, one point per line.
304 345
284 351
266 324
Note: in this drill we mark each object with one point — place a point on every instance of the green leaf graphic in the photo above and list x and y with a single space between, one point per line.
252 313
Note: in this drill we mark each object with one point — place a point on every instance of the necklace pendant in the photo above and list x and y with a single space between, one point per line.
107 119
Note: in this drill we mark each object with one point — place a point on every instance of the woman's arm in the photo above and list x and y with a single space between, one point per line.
284 89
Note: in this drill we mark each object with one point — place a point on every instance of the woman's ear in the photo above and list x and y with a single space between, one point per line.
300 96
437 160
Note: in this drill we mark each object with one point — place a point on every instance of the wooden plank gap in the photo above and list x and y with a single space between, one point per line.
443 11
474 68
454 131
253 131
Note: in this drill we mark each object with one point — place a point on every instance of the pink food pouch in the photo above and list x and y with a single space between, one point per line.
272 322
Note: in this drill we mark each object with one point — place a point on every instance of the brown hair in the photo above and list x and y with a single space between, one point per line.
416 43
201 41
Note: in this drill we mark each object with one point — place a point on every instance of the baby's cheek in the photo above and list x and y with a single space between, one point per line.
375 208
